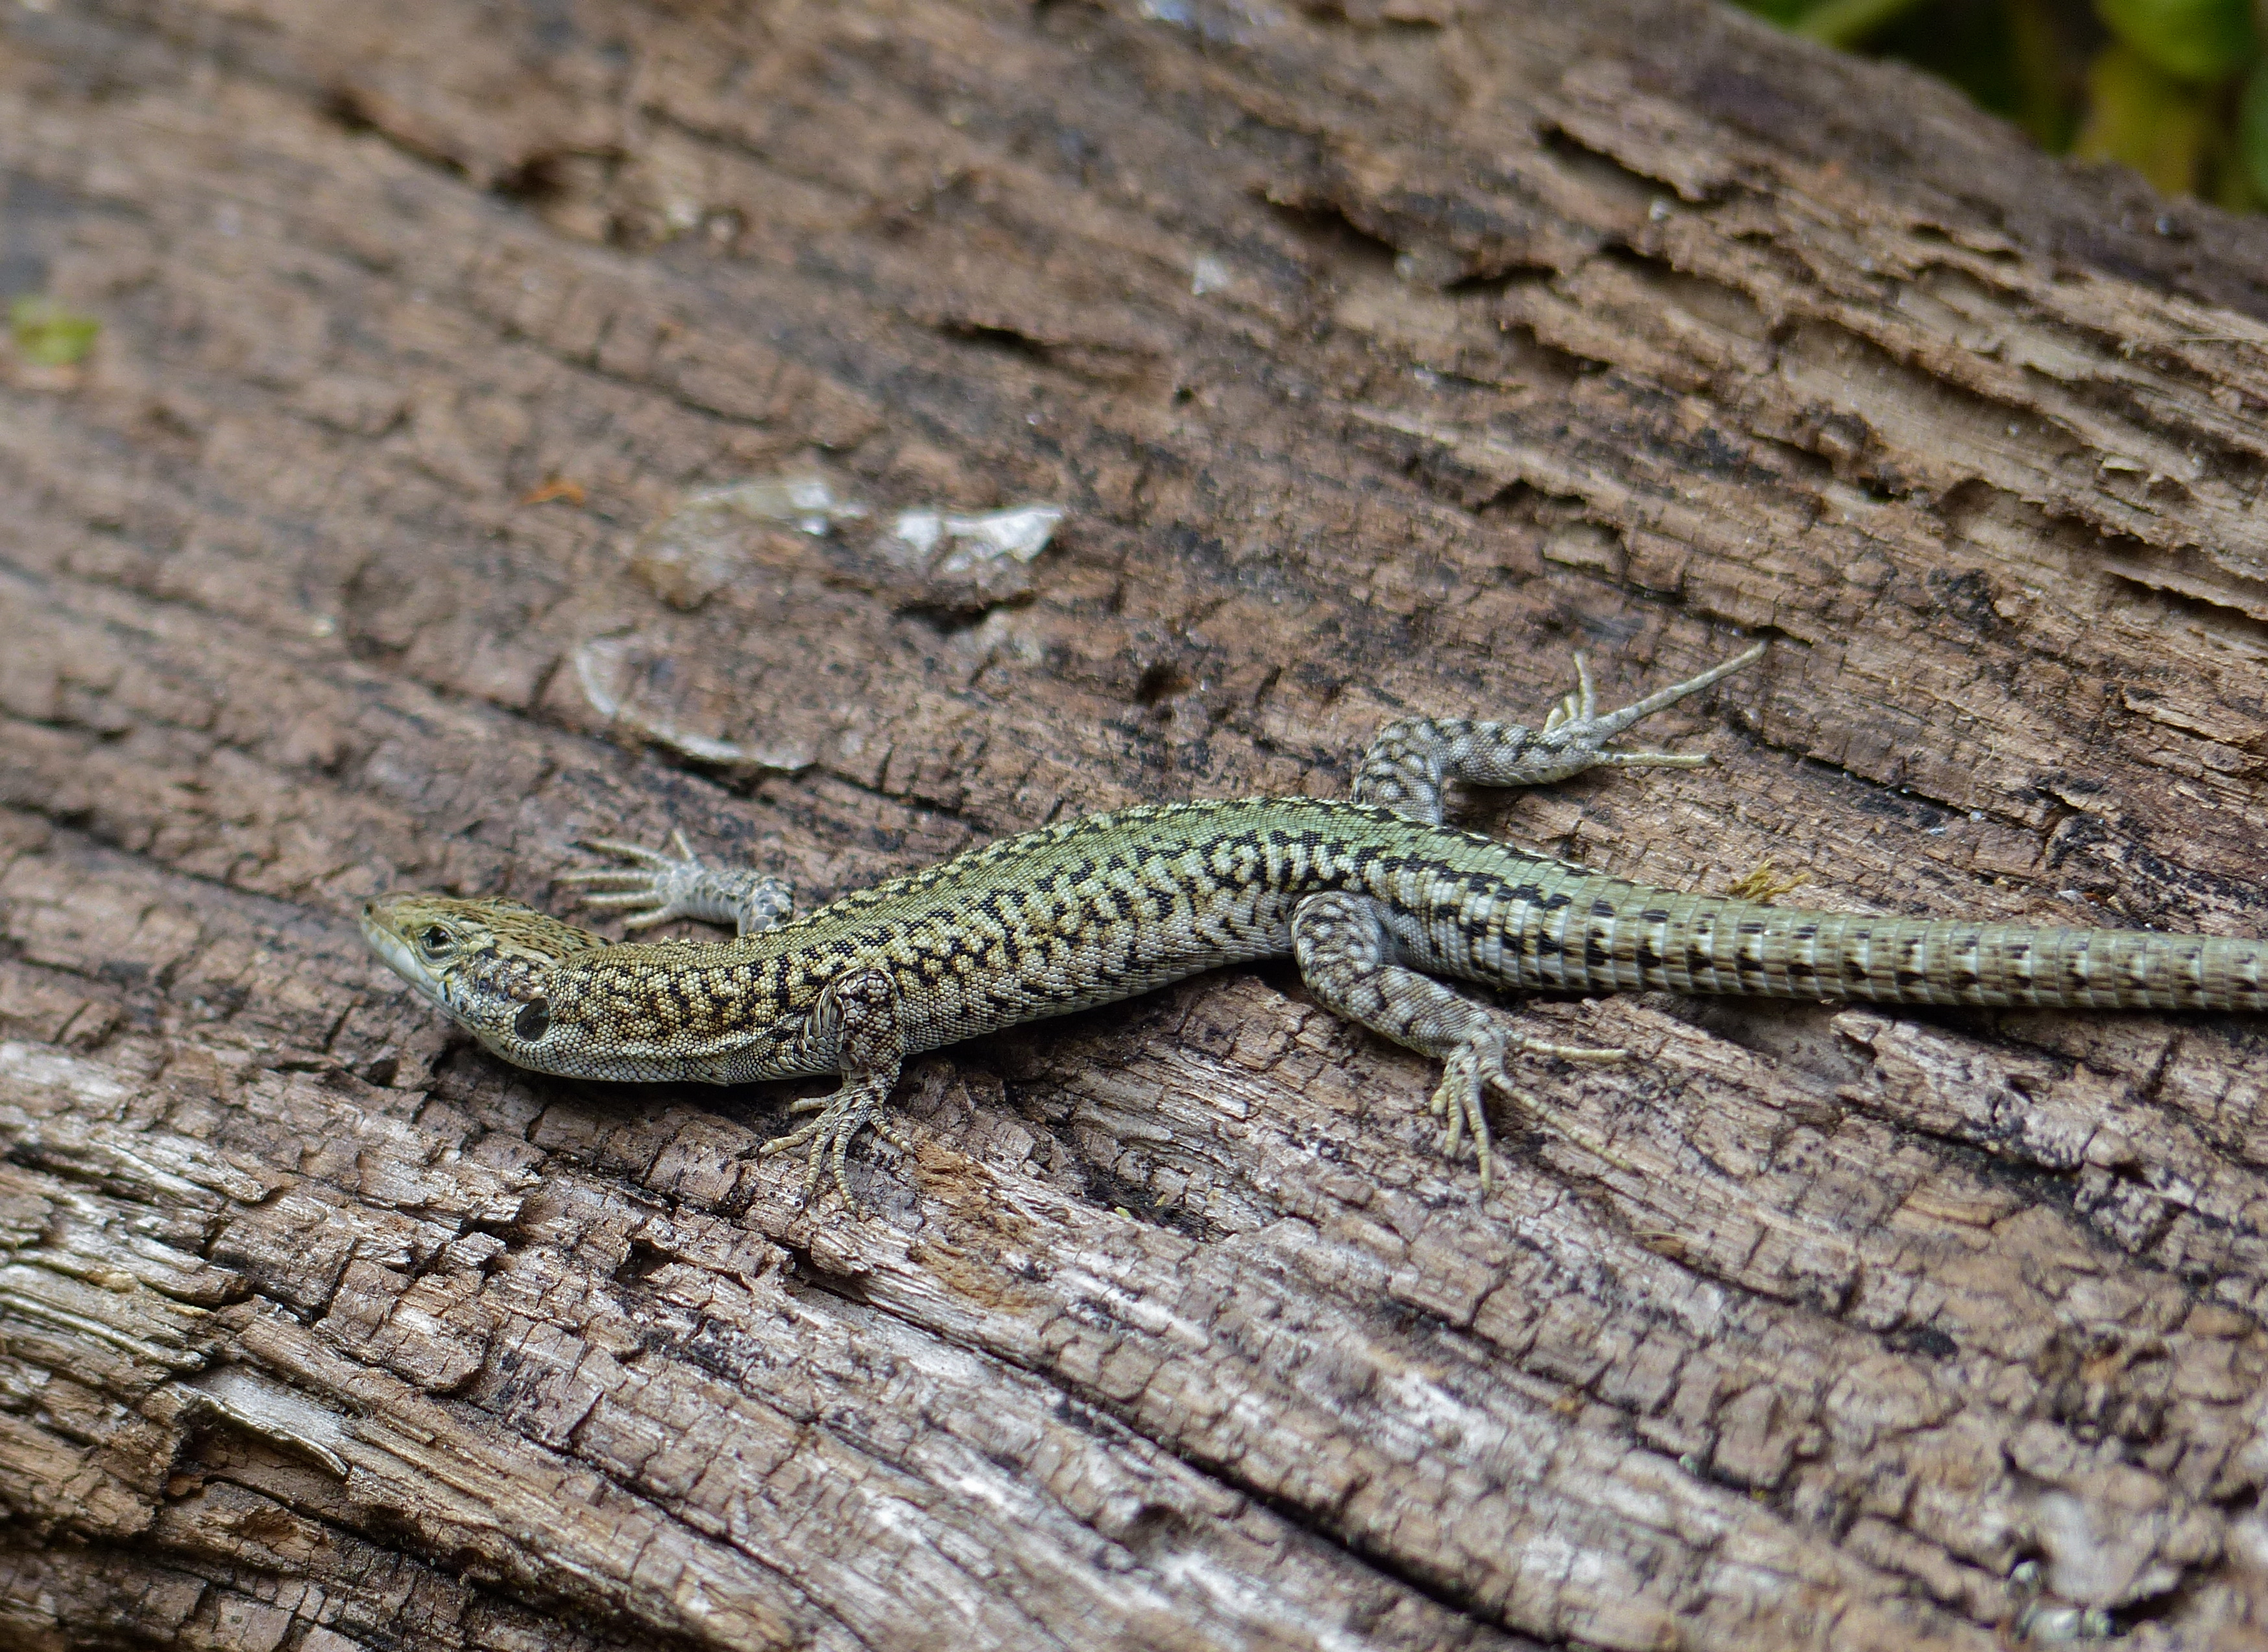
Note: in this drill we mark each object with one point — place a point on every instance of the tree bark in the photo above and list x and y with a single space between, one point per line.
1381 353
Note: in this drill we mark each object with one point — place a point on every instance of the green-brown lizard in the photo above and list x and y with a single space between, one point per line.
1375 899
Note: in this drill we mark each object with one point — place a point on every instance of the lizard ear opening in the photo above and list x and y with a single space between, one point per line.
533 1020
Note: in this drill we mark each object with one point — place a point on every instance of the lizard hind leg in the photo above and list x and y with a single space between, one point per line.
1346 954
1411 759
655 886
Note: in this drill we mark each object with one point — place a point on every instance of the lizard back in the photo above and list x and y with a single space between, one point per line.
1101 909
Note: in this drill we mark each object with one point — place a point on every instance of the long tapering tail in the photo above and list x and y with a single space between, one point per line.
1611 936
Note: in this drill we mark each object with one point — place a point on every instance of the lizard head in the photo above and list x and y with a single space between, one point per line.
482 962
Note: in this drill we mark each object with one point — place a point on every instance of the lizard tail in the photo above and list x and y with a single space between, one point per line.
1610 936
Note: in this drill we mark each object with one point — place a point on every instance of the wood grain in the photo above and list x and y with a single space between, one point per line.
1382 354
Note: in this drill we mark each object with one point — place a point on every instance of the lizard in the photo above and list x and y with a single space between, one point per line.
1376 897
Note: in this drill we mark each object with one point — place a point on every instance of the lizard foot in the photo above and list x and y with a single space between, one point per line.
1410 760
659 886
1763 884
1476 1066
856 1106
1576 718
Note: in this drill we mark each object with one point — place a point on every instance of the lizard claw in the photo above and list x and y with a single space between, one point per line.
653 890
1578 719
827 1138
661 886
1582 705
1477 1065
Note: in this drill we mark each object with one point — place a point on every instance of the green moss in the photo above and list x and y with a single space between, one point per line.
49 332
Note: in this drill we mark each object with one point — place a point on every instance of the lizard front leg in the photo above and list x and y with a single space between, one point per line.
1411 759
854 1030
1345 953
656 887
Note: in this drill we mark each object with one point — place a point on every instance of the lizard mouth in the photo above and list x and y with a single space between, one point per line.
397 953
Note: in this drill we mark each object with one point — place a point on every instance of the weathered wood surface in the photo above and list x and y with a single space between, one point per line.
1382 354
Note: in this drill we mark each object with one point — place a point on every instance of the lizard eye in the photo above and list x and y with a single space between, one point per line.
435 941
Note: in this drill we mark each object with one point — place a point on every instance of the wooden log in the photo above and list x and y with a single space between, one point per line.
1381 353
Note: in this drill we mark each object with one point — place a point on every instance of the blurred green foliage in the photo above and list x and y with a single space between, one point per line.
2175 89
